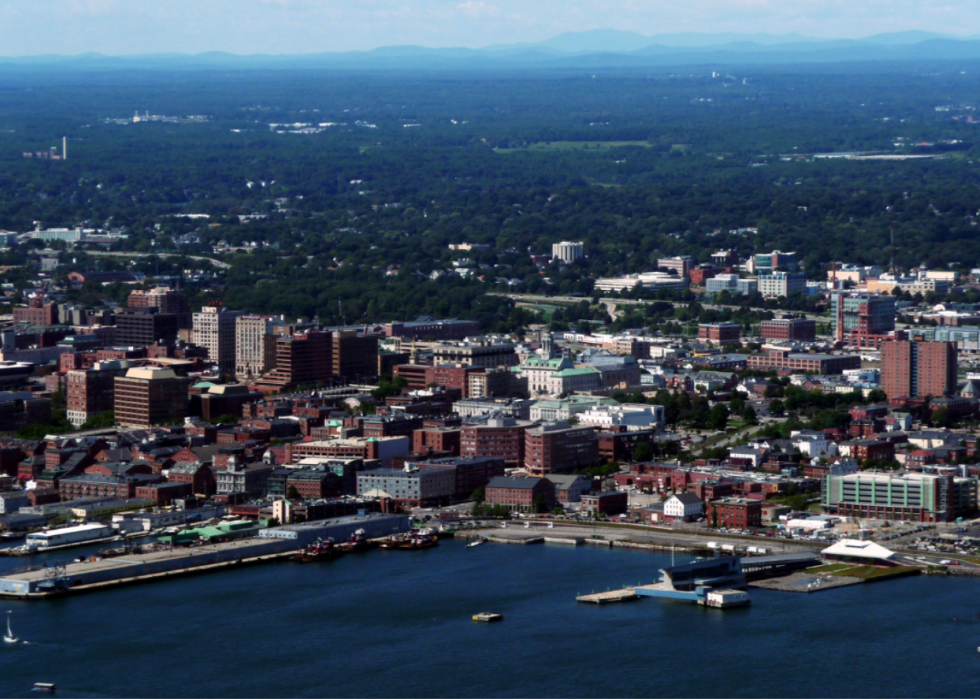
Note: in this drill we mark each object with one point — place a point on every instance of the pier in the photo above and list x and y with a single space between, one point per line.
610 596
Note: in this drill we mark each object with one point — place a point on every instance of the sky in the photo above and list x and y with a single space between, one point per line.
120 27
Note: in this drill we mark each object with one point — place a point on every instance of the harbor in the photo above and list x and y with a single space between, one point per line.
327 612
272 544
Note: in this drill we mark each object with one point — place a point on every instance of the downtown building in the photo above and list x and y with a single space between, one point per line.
913 369
92 391
912 497
862 319
559 447
255 345
146 397
214 329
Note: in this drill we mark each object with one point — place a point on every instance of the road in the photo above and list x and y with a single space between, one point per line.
611 303
217 263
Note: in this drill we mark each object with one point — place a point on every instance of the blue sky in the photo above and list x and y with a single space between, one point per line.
31 27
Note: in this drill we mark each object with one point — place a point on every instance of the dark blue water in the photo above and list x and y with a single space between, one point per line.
398 623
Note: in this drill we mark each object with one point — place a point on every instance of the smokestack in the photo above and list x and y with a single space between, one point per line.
64 148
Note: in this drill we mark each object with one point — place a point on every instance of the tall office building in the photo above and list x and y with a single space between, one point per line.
255 345
91 391
861 319
354 357
911 369
163 298
146 397
567 252
214 329
302 358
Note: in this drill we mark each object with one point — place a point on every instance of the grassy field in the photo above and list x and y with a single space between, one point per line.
848 570
830 568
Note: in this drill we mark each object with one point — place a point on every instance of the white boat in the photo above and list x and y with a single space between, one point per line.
9 636
478 542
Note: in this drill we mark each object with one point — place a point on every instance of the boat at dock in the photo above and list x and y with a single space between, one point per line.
357 543
395 541
317 551
421 539
488 616
479 542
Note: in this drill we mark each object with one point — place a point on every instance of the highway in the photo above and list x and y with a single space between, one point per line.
217 263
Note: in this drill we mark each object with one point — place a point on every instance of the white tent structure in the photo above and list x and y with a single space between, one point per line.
854 551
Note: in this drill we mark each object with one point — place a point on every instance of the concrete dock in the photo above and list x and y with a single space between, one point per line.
609 597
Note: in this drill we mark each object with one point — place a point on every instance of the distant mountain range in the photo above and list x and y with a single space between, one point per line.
602 48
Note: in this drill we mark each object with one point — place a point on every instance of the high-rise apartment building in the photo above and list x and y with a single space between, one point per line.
567 252
148 396
214 329
91 391
911 369
861 319
255 345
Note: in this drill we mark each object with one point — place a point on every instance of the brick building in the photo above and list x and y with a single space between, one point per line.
912 369
500 437
735 513
558 446
470 473
520 494
804 362
720 333
146 397
92 391
793 329
438 439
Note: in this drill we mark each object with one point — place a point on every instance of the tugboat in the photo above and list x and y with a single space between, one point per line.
319 550
421 539
357 543
395 541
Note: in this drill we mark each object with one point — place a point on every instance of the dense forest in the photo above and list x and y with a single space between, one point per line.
362 180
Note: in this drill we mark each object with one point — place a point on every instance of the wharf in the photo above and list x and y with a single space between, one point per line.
20 552
609 596
83 576
519 541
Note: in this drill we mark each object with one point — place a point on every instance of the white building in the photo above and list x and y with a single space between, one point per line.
683 506
214 328
646 280
568 252
782 284
812 443
254 345
633 417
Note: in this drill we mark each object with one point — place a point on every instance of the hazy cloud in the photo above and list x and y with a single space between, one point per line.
301 26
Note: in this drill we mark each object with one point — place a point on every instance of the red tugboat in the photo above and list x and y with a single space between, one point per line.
395 541
357 543
421 539
319 550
